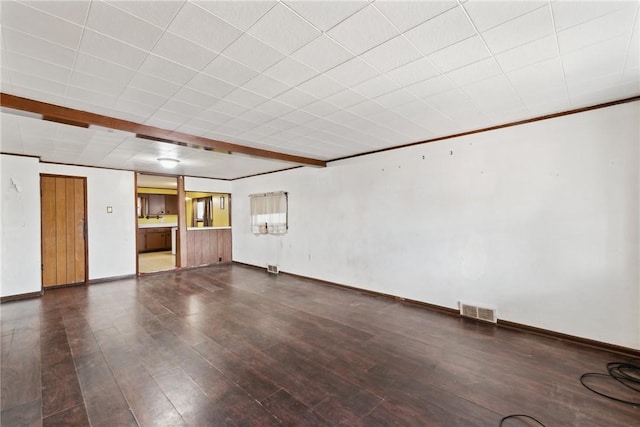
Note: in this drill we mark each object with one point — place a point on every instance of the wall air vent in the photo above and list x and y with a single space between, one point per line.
480 313
273 269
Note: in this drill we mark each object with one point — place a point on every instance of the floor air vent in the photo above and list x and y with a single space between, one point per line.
480 313
273 269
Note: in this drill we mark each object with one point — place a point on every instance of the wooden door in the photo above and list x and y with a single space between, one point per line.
63 230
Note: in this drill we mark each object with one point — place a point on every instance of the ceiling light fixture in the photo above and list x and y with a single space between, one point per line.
168 162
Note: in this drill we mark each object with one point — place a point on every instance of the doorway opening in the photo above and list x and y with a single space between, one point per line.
157 212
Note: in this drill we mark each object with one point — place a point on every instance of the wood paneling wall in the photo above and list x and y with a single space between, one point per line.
208 246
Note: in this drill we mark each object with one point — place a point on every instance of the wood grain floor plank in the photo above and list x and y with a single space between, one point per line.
232 346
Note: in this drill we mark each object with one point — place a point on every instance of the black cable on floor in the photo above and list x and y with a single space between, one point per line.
625 373
520 417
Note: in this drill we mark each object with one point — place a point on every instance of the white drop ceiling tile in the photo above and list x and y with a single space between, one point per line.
543 79
566 14
474 72
265 86
142 97
39 24
241 14
352 72
153 84
445 29
630 75
229 108
407 14
284 30
280 124
413 72
290 72
549 106
376 86
596 60
321 86
598 30
393 138
83 99
322 53
492 92
167 70
342 117
15 41
411 110
38 84
168 120
391 54
201 27
104 47
323 17
443 101
136 108
258 134
430 87
488 14
345 99
100 68
191 130
395 98
158 13
460 54
257 116
597 94
527 54
182 51
298 116
296 98
180 108
210 85
123 26
35 67
96 84
229 70
214 117
319 108
194 97
366 108
524 29
252 53
274 108
365 29
73 11
318 124
245 98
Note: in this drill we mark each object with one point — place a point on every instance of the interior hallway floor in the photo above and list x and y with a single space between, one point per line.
151 262
231 345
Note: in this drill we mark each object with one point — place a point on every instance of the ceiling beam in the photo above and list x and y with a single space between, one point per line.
79 118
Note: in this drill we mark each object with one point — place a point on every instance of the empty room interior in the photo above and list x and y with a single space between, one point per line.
320 213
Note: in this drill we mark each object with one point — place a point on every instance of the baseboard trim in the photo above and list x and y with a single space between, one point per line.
110 279
626 351
19 297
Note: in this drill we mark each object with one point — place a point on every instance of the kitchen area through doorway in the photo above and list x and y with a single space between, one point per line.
157 211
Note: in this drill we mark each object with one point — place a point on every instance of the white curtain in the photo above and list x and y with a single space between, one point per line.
269 213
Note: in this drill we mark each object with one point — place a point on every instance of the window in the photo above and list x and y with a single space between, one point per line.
269 213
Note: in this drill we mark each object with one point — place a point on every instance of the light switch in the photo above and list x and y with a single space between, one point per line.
109 209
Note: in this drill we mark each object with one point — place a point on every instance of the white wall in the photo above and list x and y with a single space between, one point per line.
206 185
111 236
20 256
539 221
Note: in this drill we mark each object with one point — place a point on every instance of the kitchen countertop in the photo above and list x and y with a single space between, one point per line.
158 225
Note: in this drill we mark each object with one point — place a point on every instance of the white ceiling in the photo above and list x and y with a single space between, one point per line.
319 79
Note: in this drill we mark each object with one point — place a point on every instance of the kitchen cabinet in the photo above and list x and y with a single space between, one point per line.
154 239
162 204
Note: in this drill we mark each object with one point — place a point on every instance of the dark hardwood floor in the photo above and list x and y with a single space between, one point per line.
231 345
